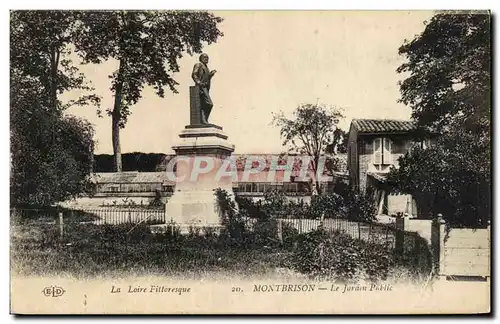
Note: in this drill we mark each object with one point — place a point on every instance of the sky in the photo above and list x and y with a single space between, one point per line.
271 61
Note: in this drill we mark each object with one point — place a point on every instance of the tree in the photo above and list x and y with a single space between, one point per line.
339 143
309 132
51 153
147 45
448 89
40 49
450 73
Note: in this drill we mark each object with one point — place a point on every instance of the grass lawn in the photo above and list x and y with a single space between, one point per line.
87 251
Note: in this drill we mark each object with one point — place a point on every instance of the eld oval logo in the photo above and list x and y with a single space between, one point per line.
53 291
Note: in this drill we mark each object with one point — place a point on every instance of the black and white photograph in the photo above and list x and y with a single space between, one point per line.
250 162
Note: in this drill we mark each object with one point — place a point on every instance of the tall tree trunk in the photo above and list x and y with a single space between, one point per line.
54 64
115 122
315 190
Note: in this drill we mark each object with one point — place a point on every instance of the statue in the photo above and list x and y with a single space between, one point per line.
202 76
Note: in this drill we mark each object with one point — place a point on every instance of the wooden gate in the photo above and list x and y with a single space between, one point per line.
462 253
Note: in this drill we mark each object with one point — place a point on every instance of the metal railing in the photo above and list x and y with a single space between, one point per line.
90 215
408 248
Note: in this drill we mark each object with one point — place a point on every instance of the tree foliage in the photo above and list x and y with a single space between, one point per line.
51 153
40 51
309 131
442 181
450 73
449 91
340 142
147 46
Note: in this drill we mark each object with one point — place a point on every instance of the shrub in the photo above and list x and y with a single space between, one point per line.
289 235
322 255
297 210
327 205
265 234
274 204
248 208
231 217
360 206
194 232
337 256
264 230
377 261
172 231
157 200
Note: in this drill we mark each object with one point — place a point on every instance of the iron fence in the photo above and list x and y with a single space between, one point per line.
88 215
407 248
369 232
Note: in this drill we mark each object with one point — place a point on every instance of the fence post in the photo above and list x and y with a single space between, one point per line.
280 230
61 225
359 230
442 236
437 244
399 238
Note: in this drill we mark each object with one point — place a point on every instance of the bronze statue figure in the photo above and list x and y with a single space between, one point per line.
202 76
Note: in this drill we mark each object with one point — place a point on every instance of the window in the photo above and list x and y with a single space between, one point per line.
382 148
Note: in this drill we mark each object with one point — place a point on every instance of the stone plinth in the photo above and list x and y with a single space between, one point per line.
194 100
199 154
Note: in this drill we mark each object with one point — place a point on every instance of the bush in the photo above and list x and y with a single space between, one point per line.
360 206
264 230
274 204
265 234
231 217
327 205
377 261
319 255
289 235
249 209
447 181
337 256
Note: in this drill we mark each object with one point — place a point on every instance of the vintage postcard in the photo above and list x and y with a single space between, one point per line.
250 162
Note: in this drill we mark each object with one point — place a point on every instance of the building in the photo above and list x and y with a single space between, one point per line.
375 146
141 188
127 188
256 185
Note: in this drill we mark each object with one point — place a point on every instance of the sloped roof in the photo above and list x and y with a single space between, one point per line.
130 177
282 160
382 125
380 177
162 177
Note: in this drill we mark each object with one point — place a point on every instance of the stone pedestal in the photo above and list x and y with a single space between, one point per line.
200 153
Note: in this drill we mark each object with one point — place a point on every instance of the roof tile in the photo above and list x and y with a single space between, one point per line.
382 125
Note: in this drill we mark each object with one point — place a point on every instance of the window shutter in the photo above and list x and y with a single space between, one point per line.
377 151
387 151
